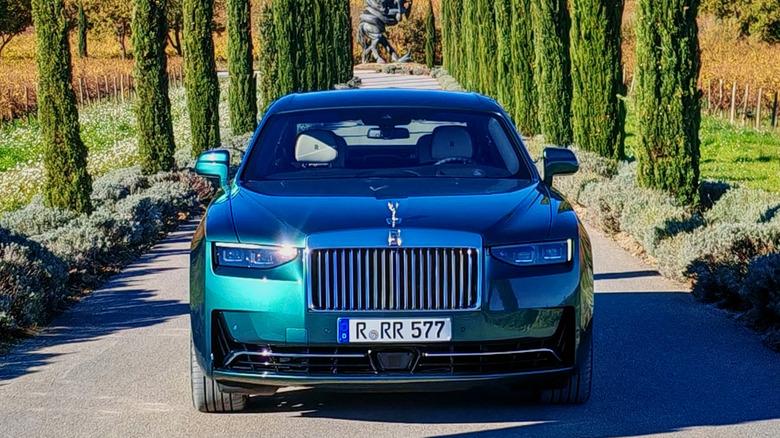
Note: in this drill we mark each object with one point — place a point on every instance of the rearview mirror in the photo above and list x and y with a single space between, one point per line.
389 133
214 164
559 161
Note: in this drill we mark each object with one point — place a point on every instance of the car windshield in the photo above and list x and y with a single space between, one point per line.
384 143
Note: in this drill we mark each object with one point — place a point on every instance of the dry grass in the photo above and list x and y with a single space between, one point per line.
726 59
724 55
93 77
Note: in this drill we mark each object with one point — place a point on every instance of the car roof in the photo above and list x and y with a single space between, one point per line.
385 98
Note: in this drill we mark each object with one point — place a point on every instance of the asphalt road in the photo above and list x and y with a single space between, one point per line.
117 365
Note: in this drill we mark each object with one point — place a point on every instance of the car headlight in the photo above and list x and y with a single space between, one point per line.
534 254
253 256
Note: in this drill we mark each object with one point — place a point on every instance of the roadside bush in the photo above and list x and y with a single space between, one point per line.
716 258
741 205
118 184
65 251
448 83
761 286
35 218
606 202
651 216
32 282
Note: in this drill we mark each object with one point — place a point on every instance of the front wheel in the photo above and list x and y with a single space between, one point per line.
577 389
206 395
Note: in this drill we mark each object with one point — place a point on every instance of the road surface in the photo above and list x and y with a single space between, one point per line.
117 364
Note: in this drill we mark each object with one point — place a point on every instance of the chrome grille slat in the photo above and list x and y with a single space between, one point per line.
394 279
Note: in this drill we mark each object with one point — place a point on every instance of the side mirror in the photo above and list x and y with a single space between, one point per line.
214 164
559 161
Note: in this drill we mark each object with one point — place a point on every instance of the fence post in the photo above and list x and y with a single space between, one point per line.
122 85
27 101
733 102
709 96
758 109
81 94
116 97
774 112
745 104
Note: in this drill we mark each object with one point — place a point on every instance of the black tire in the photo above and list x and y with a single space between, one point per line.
577 389
206 395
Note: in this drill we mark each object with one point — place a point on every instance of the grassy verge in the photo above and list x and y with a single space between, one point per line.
732 154
50 257
107 128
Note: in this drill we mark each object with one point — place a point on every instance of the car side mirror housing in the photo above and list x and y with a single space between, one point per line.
559 161
214 164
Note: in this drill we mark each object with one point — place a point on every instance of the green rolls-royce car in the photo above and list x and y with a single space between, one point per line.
389 240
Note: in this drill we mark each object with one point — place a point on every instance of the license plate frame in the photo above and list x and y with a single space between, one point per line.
394 330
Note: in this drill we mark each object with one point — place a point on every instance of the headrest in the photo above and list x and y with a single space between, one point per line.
316 147
451 141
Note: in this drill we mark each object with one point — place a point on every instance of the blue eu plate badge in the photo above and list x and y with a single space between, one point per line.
343 331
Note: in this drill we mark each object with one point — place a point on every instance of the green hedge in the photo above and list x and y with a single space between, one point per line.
47 253
729 252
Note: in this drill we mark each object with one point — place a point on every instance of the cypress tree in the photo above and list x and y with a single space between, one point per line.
486 47
598 115
667 96
430 37
82 30
152 105
307 55
455 65
342 41
552 69
200 79
445 33
526 98
67 184
285 36
323 56
504 56
242 95
469 63
269 91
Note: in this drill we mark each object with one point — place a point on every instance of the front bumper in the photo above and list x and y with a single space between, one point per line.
522 313
547 361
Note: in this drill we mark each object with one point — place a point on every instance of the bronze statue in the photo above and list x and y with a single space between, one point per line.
374 19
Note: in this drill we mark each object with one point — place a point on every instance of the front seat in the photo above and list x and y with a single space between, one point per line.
320 148
451 142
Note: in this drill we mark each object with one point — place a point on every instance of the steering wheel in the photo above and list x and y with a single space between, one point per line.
451 160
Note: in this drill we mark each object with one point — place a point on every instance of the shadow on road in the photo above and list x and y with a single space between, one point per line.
624 275
663 363
123 303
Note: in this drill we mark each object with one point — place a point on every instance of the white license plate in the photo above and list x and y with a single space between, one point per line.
397 330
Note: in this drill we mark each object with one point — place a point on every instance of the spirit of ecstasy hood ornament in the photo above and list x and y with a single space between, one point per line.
394 238
393 220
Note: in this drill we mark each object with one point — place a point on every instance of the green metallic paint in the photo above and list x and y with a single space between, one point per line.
271 306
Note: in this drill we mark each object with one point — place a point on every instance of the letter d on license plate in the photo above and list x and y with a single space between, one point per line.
398 330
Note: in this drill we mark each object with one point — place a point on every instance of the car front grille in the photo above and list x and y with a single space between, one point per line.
395 279
442 359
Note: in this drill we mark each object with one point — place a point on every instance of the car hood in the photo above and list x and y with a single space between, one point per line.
501 211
